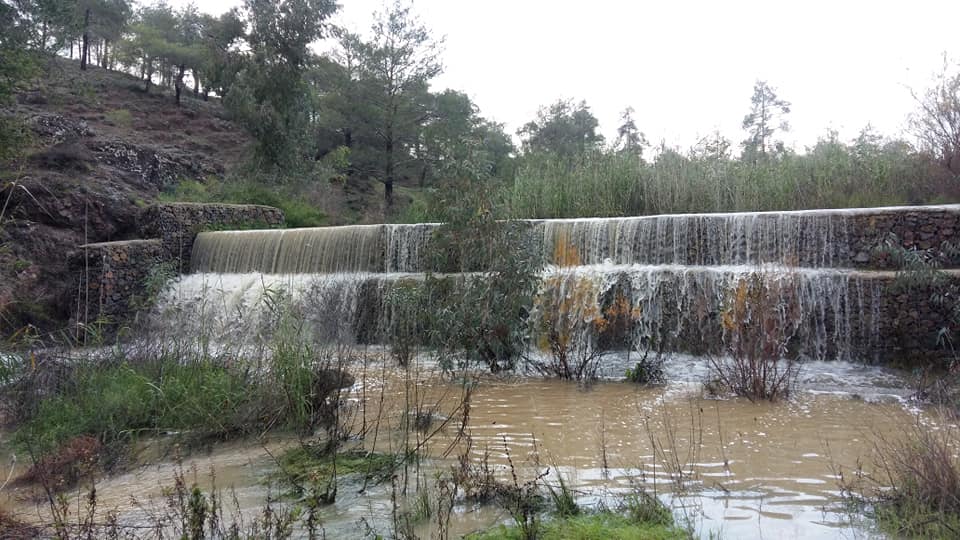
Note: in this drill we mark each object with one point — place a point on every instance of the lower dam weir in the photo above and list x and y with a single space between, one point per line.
823 271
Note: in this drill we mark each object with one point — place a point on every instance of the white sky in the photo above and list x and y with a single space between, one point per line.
687 66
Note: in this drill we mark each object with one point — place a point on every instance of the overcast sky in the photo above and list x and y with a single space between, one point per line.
687 66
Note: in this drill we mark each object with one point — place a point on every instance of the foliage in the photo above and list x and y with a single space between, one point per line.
936 123
270 96
570 322
563 129
18 65
564 501
759 322
643 507
116 403
869 171
406 302
383 100
307 467
185 511
484 314
646 371
182 391
629 138
767 116
914 490
919 270
120 117
297 212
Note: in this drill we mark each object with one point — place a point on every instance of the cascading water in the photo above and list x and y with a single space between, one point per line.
677 274
807 239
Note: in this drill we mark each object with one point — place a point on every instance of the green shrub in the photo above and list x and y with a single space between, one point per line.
119 117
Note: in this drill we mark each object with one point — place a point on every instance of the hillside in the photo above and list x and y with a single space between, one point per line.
101 149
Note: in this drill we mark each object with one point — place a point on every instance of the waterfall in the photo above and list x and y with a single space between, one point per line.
674 276
800 238
797 238
679 306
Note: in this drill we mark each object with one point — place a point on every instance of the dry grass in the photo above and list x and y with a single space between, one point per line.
913 490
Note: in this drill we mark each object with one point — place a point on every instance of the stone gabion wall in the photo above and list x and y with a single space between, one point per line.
113 275
918 324
177 224
919 228
112 278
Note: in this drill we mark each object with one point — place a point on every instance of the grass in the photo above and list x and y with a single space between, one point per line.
598 526
119 117
297 212
924 472
313 466
913 490
831 174
117 403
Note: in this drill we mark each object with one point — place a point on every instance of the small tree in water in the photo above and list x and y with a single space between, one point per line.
759 323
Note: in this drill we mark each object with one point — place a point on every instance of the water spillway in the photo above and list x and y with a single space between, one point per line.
809 238
677 274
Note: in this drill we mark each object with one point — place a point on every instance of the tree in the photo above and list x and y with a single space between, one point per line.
629 138
563 128
713 147
936 123
443 136
767 116
394 75
221 59
17 65
102 22
269 96
149 43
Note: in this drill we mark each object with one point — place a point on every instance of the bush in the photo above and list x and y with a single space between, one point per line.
485 314
116 403
648 370
915 492
759 322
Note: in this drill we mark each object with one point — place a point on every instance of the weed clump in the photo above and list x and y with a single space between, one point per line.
914 491
308 467
759 324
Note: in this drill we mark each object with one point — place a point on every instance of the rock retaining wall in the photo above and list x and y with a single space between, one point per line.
114 276
922 228
177 224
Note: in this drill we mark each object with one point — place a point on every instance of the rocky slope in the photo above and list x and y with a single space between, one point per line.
101 149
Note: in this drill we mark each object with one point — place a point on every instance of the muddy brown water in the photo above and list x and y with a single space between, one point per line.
728 467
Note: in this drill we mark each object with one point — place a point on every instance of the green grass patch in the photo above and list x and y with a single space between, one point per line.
912 519
118 403
119 117
306 466
297 212
598 526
